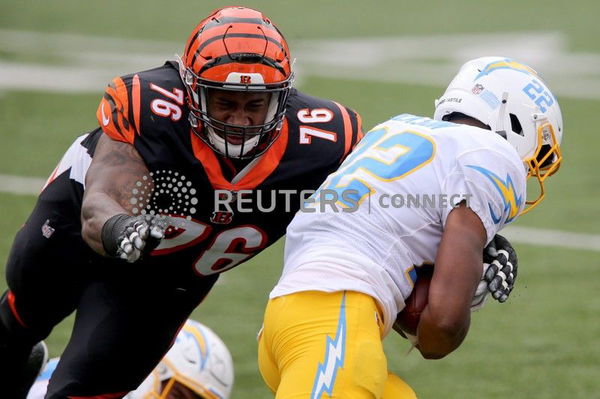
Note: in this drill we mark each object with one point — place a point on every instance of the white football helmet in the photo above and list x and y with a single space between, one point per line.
198 360
515 102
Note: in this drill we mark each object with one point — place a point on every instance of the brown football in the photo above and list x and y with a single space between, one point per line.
408 319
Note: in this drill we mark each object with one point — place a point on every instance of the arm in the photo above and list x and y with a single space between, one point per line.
110 180
446 318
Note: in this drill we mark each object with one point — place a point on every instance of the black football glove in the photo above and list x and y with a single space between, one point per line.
131 237
502 271
499 272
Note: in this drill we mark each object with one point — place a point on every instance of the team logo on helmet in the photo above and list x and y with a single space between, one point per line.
477 89
505 64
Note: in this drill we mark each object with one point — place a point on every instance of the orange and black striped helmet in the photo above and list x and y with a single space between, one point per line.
236 49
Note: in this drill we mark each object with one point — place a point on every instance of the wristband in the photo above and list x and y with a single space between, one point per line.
112 232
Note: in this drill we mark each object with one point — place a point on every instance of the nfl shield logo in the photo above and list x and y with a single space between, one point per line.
477 89
47 230
245 80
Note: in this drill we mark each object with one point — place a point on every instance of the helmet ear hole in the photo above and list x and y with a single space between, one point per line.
516 125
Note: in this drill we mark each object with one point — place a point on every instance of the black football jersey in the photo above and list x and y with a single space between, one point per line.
216 223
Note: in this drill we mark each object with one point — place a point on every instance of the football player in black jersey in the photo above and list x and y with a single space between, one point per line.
197 166
143 188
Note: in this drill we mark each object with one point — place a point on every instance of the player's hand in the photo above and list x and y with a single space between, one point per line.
131 237
501 273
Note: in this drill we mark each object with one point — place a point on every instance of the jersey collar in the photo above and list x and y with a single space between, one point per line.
250 176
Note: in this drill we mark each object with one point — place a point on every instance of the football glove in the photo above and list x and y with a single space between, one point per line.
131 237
501 271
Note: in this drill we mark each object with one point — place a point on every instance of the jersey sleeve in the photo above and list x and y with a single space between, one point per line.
352 125
118 112
492 186
322 130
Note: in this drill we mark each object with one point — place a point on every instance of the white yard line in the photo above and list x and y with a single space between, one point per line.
87 63
21 185
522 235
553 238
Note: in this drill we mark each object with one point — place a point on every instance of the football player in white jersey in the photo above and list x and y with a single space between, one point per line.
415 191
198 366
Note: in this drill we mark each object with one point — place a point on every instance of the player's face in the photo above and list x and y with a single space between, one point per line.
179 391
238 108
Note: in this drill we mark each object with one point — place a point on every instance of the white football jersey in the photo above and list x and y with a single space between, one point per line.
382 213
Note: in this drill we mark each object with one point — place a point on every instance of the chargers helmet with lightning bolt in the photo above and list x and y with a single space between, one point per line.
198 361
513 101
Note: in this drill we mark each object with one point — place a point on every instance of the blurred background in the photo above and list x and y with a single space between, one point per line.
380 58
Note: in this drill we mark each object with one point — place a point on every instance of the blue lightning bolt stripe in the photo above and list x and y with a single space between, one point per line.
334 357
505 64
506 188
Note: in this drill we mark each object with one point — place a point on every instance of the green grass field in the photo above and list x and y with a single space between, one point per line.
543 343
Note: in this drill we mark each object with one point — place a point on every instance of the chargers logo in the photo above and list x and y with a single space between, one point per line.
505 64
506 188
334 358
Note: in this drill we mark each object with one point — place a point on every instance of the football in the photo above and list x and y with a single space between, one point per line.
408 319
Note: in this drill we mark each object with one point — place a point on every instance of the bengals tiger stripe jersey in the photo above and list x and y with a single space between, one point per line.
217 218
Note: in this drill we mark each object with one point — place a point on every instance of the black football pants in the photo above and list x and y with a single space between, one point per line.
127 315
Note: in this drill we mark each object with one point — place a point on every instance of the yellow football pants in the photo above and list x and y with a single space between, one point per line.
326 345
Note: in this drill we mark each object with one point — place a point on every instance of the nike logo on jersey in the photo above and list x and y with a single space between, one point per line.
105 120
334 358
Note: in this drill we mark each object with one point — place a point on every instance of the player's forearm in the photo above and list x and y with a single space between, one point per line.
438 335
97 208
446 318
111 179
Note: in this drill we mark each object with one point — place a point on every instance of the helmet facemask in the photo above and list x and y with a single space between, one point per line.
174 388
221 136
545 161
